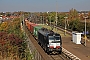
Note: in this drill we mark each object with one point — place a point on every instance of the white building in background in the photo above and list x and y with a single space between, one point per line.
1 18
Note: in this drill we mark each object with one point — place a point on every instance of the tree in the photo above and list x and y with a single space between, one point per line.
74 24
8 14
4 26
73 14
61 19
89 14
12 38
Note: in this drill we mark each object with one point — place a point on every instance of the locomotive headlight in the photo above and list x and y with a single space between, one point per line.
47 45
53 35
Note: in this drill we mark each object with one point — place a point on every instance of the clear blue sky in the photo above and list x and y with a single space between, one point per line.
43 5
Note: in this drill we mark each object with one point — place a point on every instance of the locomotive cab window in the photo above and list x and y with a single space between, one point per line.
57 38
51 38
54 39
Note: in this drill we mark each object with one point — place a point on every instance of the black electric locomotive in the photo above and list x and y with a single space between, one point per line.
50 41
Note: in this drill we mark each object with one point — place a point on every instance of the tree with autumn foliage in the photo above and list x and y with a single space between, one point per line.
73 14
13 43
4 26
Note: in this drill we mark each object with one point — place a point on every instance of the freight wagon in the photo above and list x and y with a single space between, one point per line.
36 28
28 25
32 28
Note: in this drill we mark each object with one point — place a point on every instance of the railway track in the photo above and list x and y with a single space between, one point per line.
66 55
58 57
69 55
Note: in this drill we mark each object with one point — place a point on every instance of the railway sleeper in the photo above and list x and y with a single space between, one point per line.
69 55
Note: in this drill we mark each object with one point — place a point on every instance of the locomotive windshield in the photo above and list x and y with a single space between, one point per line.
51 38
54 39
57 38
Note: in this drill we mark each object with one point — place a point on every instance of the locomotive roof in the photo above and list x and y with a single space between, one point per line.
46 32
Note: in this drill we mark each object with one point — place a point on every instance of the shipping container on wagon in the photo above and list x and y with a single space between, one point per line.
29 25
32 27
36 28
26 22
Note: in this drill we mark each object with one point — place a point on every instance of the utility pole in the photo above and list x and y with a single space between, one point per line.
65 26
49 19
85 29
24 26
50 22
43 18
56 16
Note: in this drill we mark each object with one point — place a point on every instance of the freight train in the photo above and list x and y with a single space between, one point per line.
50 41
